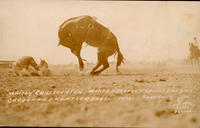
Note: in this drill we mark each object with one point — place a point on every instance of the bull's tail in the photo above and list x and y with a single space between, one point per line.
120 59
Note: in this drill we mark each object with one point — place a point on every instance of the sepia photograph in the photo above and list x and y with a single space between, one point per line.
86 63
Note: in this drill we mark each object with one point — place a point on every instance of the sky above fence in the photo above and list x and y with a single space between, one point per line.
145 30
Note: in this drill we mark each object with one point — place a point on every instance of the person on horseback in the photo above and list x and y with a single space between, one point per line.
194 52
196 42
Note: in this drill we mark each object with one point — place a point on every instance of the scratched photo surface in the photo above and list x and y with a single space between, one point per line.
99 63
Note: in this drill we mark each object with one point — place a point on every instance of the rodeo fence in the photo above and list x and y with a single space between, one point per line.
6 64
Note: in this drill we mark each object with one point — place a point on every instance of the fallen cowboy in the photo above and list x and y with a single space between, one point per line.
26 66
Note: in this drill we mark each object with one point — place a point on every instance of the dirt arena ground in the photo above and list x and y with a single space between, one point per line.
144 95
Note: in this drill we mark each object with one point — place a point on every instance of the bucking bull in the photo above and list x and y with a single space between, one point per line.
26 66
74 31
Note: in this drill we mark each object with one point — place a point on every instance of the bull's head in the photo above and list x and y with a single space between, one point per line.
65 38
73 32
67 41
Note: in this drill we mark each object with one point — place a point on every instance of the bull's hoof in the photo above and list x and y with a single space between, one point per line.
81 68
119 73
94 73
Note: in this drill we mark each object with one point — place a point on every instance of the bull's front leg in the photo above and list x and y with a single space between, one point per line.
81 64
80 60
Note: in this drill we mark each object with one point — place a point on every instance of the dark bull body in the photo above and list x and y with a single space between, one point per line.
74 31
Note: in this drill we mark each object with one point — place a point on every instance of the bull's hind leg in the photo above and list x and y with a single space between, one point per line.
99 63
95 68
102 59
105 66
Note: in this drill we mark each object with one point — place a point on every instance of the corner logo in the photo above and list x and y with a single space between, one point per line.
183 106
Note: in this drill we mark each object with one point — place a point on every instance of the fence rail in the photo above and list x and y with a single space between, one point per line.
5 63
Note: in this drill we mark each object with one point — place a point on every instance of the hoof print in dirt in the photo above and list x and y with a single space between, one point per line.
113 82
167 100
164 113
194 119
140 81
66 74
53 86
162 79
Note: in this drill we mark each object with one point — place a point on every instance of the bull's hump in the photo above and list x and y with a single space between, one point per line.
74 20
26 57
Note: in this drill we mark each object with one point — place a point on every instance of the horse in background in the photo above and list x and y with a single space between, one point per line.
194 54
